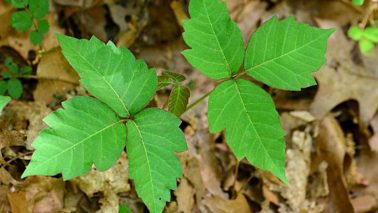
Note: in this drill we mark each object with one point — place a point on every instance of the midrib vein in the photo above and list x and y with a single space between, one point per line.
216 38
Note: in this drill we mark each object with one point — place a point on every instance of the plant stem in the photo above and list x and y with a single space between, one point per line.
208 93
35 25
199 100
370 11
244 185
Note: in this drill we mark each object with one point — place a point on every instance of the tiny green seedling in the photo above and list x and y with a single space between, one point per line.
30 16
366 33
87 131
358 2
124 209
4 100
367 38
9 82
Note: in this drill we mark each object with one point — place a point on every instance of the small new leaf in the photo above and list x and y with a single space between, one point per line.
83 133
112 75
358 2
15 88
366 46
252 124
44 26
124 209
19 3
21 21
283 54
36 37
217 47
355 33
168 78
371 33
178 99
153 137
3 87
39 8
4 100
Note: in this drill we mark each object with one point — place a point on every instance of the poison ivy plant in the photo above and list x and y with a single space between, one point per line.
9 82
30 16
89 131
281 54
95 130
4 100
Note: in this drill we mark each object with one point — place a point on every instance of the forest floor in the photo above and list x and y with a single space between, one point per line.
331 129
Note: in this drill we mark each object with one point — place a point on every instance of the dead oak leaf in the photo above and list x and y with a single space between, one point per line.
339 85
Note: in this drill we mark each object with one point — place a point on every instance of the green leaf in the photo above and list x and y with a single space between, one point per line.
168 78
3 87
15 88
124 209
43 26
39 8
112 75
366 47
355 33
283 54
21 21
8 61
4 100
19 3
153 137
84 132
253 128
36 37
5 75
358 2
178 100
217 47
26 70
371 33
12 67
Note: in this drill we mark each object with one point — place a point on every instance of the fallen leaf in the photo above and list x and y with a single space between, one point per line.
184 196
40 194
218 204
373 141
331 146
32 113
18 202
109 183
367 166
365 203
297 171
56 77
342 80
